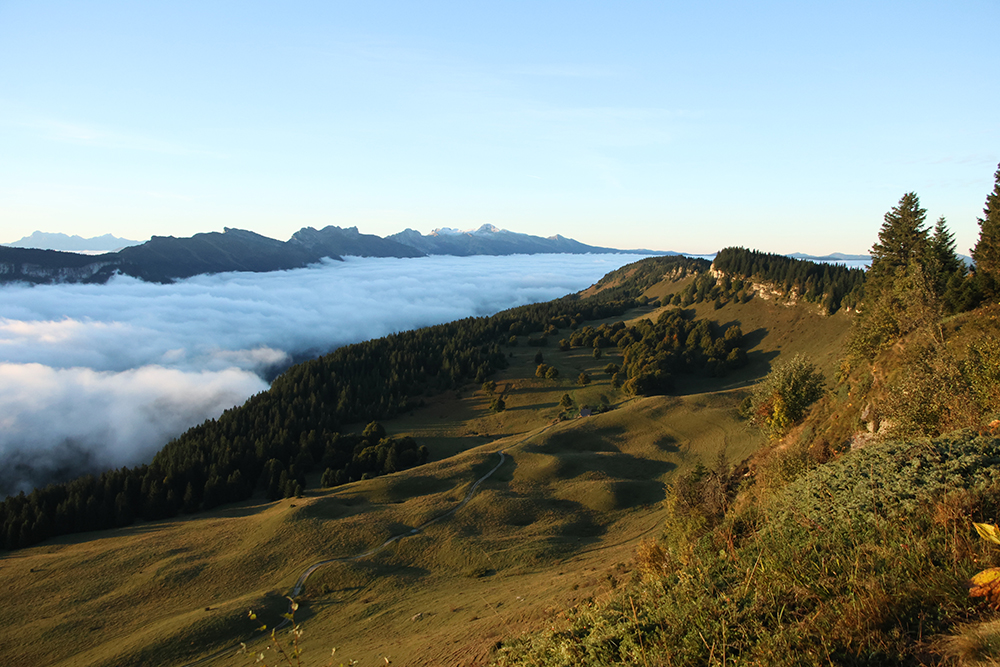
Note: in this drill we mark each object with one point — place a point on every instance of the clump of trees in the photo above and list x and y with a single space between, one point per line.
916 277
986 254
916 280
706 287
653 353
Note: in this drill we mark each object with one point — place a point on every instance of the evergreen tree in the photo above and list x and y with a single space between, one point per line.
902 239
986 254
942 261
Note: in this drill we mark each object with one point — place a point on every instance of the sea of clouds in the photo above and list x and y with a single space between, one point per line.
100 376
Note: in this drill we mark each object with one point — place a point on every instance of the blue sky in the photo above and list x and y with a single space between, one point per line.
781 126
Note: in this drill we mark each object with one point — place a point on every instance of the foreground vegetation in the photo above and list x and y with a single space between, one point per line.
862 561
849 540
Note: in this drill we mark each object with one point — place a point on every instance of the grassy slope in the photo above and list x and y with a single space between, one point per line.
550 530
862 560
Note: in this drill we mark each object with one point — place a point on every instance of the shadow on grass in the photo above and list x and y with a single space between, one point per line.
667 443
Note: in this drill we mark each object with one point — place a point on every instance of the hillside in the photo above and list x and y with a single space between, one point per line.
553 527
848 539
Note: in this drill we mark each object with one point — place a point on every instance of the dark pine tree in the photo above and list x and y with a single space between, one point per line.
986 254
902 239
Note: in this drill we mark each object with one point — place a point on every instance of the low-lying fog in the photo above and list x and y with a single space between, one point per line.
101 376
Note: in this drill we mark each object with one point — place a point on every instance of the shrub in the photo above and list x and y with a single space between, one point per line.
781 398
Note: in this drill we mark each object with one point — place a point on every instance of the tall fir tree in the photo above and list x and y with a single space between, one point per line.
986 254
902 239
898 292
942 262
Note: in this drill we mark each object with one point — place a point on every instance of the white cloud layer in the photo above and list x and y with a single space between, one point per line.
98 376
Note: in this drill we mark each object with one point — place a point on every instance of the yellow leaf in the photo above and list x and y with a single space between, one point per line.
988 532
987 577
986 584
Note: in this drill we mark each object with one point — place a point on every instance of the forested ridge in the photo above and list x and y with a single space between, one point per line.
832 285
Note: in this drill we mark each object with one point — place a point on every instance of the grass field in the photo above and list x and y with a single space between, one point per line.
552 528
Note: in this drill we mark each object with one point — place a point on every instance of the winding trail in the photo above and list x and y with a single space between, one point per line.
301 582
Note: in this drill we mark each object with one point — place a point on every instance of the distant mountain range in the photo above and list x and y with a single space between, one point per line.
839 257
56 241
166 258
833 257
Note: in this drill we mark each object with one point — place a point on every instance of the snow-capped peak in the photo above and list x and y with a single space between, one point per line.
482 231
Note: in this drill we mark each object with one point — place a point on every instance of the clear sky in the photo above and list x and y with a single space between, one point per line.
780 126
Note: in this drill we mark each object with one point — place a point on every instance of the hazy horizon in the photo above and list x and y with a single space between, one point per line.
140 241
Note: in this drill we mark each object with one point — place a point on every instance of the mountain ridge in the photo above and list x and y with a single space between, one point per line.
168 258
75 243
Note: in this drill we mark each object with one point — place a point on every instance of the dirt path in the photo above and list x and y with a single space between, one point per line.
300 584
